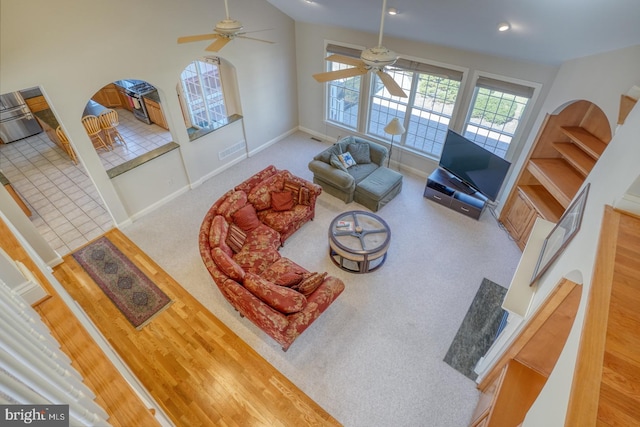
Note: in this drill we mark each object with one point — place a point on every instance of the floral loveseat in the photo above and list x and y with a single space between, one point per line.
239 240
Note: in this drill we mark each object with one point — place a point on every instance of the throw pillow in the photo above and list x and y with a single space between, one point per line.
347 159
325 155
310 283
283 299
246 218
360 151
304 197
281 200
235 238
288 279
337 163
227 265
293 187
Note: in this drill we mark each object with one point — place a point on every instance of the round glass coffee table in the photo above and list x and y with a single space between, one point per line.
358 241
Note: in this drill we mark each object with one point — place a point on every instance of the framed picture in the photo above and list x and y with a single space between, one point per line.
558 239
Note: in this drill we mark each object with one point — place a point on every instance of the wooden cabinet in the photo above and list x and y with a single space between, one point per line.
108 96
155 113
566 149
37 103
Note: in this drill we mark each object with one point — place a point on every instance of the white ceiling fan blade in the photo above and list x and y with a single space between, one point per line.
340 74
258 40
197 38
354 62
218 44
391 85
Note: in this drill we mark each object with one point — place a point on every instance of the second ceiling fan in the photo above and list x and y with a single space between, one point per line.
225 31
374 59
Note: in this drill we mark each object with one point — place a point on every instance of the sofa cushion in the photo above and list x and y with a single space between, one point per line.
347 160
227 265
218 234
360 152
256 261
282 200
360 172
310 283
236 238
232 203
283 299
246 218
260 195
282 221
251 182
262 237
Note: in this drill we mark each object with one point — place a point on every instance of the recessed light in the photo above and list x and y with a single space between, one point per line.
504 26
392 11
309 1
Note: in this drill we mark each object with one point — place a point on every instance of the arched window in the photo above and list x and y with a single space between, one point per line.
203 95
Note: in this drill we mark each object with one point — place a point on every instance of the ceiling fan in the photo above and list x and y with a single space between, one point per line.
374 59
225 31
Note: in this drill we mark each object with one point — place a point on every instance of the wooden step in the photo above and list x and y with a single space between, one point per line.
543 202
592 145
558 177
575 156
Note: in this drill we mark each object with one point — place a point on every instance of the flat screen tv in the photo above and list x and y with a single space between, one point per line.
473 165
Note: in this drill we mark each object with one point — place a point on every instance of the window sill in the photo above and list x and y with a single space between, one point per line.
199 133
140 160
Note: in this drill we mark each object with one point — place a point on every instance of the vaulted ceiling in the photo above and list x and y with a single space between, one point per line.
544 31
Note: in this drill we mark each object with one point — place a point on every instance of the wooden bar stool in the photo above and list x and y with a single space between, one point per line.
92 126
66 145
108 122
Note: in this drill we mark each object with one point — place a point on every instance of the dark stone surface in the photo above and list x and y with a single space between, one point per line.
478 329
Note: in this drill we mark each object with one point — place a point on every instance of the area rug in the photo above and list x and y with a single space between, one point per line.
478 329
135 295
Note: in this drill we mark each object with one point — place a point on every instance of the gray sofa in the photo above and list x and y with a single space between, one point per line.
368 182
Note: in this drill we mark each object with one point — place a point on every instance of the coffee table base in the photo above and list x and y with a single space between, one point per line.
357 264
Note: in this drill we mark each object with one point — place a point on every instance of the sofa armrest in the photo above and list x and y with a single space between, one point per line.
328 173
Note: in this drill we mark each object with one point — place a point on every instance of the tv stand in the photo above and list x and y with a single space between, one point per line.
444 188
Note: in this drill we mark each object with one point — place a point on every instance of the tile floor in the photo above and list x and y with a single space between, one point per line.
66 207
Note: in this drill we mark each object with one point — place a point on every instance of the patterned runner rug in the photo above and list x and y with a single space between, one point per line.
478 330
135 295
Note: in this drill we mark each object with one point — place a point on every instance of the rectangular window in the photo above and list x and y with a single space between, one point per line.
497 108
203 93
425 113
343 95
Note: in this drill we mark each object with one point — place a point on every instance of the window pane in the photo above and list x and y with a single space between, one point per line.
343 98
431 113
384 106
203 93
494 118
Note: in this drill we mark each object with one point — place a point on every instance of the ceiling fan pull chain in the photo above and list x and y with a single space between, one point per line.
384 9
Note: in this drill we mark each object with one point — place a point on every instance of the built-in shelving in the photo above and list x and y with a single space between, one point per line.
567 148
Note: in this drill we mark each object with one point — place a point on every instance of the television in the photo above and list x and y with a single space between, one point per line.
473 165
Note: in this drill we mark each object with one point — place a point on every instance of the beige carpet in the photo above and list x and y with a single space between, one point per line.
375 357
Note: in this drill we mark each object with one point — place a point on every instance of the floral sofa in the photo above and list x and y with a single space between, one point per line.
239 241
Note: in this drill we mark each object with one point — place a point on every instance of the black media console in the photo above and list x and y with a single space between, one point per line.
447 190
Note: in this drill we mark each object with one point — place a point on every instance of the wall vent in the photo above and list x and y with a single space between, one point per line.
231 150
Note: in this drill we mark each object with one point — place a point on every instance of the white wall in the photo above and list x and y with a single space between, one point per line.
600 79
71 49
310 45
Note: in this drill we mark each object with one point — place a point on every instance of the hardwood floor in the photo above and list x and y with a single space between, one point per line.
195 367
113 393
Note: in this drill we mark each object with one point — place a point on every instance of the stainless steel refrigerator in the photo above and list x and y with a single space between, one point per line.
16 120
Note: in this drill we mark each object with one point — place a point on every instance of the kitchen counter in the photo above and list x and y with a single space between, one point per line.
47 117
93 109
32 92
152 96
7 185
